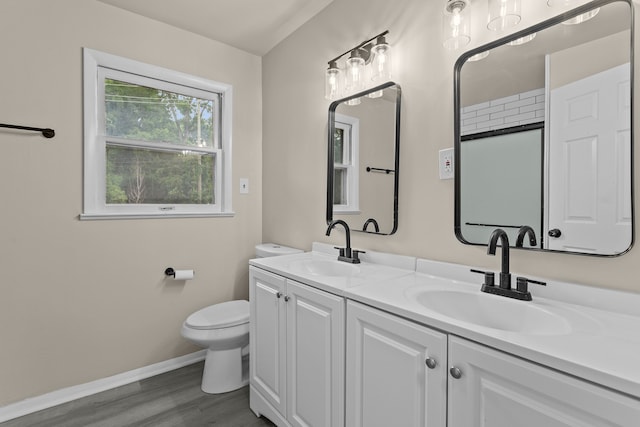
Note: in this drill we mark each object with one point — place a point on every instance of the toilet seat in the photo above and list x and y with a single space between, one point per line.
223 315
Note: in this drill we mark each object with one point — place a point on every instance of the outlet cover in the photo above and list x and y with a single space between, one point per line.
445 163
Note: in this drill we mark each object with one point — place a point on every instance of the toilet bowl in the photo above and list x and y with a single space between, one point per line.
223 329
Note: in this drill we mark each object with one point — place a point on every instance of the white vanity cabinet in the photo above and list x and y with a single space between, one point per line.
396 371
499 390
392 380
296 352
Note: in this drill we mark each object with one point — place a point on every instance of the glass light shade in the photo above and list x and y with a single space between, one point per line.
354 73
381 63
582 18
570 3
479 56
456 29
523 40
561 3
376 94
354 101
333 82
503 14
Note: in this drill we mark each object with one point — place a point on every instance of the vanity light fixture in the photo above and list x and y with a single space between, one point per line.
570 3
503 14
456 29
368 65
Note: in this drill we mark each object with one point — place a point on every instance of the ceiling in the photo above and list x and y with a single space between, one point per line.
254 26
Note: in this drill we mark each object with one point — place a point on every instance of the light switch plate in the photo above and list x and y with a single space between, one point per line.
445 163
244 185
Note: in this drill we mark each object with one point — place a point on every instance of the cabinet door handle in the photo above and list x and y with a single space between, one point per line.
431 363
278 294
286 298
455 372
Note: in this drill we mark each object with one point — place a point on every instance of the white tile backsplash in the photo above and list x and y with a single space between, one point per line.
520 109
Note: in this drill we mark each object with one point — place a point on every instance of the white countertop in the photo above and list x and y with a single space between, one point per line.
365 273
601 345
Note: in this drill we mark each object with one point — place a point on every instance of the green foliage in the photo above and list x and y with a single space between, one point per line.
158 176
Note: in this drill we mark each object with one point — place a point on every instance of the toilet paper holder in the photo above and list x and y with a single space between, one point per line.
179 274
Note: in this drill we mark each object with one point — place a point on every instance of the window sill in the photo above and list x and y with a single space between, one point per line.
346 212
97 217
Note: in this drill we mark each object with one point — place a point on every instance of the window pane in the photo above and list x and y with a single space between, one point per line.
339 187
144 176
148 114
338 145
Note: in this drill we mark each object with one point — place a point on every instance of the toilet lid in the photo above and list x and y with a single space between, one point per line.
223 315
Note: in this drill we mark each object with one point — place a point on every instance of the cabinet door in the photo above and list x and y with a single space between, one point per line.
499 390
315 357
388 380
267 336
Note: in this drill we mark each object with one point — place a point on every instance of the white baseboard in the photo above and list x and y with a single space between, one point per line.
48 400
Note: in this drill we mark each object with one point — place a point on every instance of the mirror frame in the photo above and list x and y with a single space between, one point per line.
556 20
331 126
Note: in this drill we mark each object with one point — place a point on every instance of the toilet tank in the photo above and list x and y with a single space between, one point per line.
265 250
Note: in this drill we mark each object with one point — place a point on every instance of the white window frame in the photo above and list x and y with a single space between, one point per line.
351 134
97 66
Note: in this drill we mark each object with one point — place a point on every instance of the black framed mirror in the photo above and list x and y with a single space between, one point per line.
363 160
543 134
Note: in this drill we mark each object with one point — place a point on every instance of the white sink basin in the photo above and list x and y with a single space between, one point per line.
327 268
492 311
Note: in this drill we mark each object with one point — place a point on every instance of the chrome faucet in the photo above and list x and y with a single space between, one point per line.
500 234
522 232
504 289
346 254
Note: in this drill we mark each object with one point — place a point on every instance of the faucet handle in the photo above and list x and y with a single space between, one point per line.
522 284
489 277
522 288
355 255
340 249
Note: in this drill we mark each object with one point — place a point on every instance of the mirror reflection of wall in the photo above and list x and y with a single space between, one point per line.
363 168
574 82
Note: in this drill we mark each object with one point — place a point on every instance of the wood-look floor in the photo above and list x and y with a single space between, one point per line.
173 399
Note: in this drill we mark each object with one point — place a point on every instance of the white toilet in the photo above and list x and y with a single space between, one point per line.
223 329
